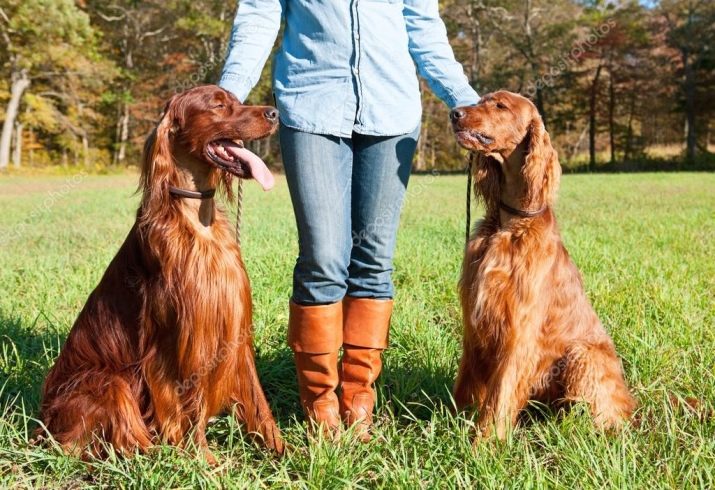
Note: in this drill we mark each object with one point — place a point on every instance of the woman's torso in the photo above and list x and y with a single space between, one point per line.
345 66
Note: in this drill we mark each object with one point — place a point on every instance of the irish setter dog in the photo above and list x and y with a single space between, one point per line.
530 332
164 341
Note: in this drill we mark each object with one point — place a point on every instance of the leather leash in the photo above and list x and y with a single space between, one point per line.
239 209
470 166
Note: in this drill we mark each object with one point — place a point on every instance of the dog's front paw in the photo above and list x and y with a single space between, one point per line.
271 436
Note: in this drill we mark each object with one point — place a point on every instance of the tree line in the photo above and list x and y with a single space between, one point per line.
618 83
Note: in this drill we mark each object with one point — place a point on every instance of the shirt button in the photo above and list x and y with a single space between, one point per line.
355 70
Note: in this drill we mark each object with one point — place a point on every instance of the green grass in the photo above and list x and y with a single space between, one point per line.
643 241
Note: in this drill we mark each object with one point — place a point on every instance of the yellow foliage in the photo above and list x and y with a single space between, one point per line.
40 112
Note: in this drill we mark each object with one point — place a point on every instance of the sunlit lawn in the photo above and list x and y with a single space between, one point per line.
645 244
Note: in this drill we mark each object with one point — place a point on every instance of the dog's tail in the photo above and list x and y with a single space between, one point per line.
96 409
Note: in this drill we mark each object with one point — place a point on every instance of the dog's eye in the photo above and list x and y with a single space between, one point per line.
219 106
501 106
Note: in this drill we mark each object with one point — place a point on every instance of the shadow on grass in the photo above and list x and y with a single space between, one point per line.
25 356
276 372
403 388
415 390
27 353
418 393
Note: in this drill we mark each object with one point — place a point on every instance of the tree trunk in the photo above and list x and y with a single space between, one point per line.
476 35
689 89
123 124
420 162
120 153
629 132
30 150
20 83
17 157
530 54
577 146
540 99
592 120
85 149
611 116
269 147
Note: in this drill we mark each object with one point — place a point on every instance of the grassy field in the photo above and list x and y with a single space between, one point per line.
644 243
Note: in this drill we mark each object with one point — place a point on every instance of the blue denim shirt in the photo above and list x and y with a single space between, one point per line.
346 65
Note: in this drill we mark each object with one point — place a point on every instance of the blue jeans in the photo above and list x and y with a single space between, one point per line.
347 195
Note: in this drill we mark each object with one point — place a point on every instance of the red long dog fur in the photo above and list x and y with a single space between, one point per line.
530 332
165 340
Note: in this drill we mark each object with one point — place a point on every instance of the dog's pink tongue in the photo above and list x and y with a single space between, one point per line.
259 171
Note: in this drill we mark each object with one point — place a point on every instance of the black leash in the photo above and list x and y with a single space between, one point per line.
470 166
522 213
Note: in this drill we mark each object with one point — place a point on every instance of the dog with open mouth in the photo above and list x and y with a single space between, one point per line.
530 332
165 340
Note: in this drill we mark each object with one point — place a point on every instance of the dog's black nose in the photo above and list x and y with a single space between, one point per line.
457 114
271 114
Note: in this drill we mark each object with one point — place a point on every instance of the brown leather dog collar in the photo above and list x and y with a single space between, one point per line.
520 212
175 191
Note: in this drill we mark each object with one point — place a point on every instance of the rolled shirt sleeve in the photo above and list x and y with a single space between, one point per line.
254 32
430 49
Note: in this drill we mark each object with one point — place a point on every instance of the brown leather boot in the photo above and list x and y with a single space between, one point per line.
315 335
366 323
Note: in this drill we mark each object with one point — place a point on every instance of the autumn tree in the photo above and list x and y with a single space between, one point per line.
85 80
691 33
133 33
51 61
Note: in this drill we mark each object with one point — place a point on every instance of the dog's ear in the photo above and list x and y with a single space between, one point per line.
541 168
174 113
487 180
158 163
